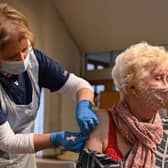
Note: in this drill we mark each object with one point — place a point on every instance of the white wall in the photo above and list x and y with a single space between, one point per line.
53 39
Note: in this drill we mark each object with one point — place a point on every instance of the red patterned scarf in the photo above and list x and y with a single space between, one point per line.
144 135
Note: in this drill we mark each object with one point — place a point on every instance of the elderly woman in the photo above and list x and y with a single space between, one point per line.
132 134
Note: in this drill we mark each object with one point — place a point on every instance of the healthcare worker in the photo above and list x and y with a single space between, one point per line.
24 71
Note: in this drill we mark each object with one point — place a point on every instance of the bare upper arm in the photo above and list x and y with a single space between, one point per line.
98 138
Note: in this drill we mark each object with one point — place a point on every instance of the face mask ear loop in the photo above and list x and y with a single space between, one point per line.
29 47
29 44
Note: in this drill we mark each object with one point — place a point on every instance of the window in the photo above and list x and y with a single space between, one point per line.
97 71
90 67
39 122
97 90
102 60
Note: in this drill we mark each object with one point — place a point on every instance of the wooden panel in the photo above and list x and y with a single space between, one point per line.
108 99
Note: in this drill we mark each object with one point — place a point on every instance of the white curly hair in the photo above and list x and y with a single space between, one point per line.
136 62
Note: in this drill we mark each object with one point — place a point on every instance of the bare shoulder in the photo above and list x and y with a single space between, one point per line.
102 115
100 133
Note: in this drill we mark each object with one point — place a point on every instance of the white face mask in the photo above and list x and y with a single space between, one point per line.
15 67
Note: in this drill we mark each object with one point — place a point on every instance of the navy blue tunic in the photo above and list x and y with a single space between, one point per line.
51 75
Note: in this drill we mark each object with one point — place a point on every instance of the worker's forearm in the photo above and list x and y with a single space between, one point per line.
42 141
22 143
73 87
85 94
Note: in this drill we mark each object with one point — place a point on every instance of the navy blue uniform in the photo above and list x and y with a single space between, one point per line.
19 89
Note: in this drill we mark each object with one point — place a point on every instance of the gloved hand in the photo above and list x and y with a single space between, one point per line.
86 116
72 141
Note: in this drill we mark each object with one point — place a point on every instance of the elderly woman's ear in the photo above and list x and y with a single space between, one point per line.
131 89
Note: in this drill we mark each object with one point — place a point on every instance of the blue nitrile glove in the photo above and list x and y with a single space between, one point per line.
86 116
61 139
